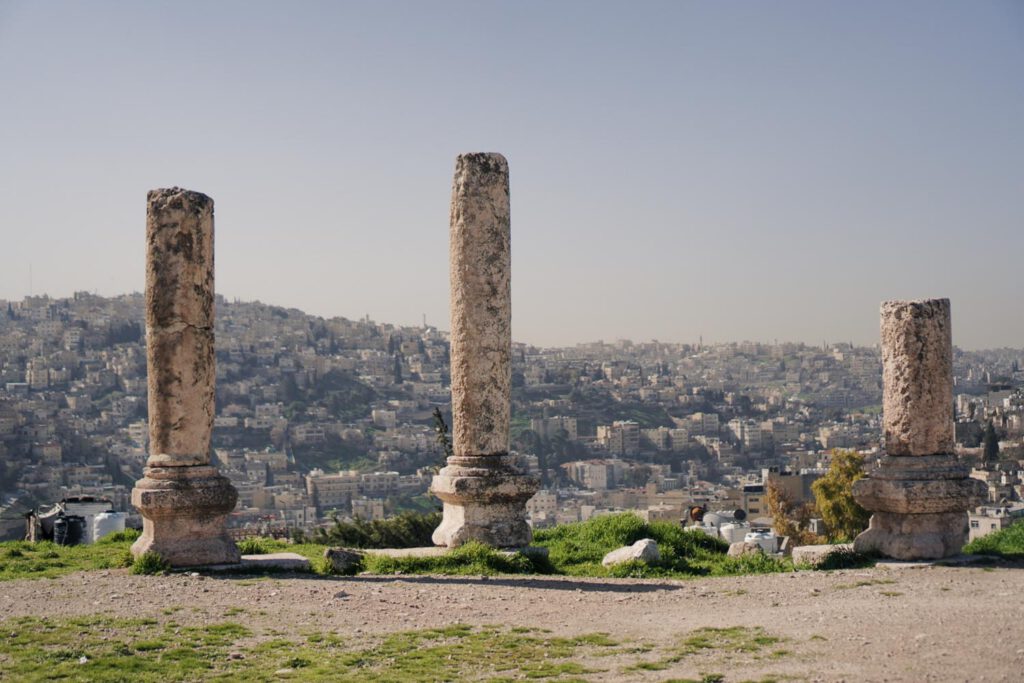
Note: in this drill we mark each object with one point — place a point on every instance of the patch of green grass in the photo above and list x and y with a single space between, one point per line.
577 549
574 549
119 537
149 563
25 560
257 546
842 558
733 641
471 558
37 649
1007 543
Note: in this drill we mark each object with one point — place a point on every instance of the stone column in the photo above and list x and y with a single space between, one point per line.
183 500
920 493
484 488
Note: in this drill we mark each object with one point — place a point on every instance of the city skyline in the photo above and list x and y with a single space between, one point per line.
678 171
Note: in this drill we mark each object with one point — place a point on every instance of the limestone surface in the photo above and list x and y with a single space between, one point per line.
919 496
644 550
920 493
816 554
914 537
917 376
179 326
184 512
183 501
740 548
484 500
343 561
481 305
484 489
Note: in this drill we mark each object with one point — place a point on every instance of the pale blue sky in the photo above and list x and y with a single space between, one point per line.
733 170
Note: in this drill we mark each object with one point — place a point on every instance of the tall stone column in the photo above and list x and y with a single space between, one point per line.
920 494
183 500
483 487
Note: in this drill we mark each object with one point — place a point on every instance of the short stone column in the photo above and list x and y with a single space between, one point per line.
484 488
183 500
920 493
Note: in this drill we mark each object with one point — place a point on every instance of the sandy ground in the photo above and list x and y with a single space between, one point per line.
881 624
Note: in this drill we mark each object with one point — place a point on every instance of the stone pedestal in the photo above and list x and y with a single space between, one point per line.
920 494
484 488
484 500
919 507
182 499
184 511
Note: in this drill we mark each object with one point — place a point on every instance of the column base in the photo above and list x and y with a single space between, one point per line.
913 537
184 515
484 500
919 506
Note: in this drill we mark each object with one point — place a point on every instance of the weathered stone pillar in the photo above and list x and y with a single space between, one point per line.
484 488
184 501
920 494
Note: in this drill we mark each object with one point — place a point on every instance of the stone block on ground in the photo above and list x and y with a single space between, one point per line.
343 560
740 548
816 554
279 561
644 550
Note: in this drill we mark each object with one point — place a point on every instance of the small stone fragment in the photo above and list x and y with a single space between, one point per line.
741 548
343 561
644 550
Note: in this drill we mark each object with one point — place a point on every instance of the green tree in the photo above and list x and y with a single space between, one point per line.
990 442
834 496
443 437
790 519
398 369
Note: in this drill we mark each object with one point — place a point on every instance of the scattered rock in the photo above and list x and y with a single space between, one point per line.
644 550
740 548
343 561
814 555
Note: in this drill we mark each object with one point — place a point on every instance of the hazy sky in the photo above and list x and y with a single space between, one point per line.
733 170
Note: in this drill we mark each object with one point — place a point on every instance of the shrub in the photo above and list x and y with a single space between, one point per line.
407 530
834 495
126 536
148 563
1008 543
257 546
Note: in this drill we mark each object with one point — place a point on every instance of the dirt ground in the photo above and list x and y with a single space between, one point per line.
882 624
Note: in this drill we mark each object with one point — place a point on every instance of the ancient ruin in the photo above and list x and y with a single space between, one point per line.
484 488
920 493
183 500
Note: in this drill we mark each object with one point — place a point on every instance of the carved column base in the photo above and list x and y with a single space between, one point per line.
919 506
484 500
184 512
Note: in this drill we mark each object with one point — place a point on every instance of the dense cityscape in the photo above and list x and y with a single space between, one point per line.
324 418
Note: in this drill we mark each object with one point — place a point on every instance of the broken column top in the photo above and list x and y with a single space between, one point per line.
179 264
481 299
179 326
917 375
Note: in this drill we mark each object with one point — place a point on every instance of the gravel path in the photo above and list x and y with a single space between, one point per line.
881 624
